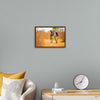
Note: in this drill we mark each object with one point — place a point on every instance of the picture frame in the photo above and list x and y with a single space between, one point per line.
50 36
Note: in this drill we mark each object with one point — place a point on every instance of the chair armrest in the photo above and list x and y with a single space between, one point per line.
29 90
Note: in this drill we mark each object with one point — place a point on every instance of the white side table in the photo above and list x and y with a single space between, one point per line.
72 94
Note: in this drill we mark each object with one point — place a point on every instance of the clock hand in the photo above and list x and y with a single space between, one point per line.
81 80
78 83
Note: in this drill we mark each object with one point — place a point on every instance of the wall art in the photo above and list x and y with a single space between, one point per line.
50 36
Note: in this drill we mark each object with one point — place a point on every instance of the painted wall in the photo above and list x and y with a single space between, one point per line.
44 66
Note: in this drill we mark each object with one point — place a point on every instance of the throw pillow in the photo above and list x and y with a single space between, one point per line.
11 76
12 88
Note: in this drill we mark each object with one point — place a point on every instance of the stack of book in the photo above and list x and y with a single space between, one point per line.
58 90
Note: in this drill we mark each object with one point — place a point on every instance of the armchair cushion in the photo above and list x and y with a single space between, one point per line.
29 91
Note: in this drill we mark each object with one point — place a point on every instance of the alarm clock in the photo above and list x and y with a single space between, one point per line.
81 81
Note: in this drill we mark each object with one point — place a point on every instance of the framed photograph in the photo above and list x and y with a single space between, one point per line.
50 36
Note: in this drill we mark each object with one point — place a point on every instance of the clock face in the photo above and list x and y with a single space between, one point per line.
81 81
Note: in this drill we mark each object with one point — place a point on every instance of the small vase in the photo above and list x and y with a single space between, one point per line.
56 85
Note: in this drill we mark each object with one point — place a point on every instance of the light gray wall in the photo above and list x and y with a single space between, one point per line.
46 65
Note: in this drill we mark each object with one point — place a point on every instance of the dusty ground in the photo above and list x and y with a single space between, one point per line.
43 40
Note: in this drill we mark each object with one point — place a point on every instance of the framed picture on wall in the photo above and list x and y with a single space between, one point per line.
50 36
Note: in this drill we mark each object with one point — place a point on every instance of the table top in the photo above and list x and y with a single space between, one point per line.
72 92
